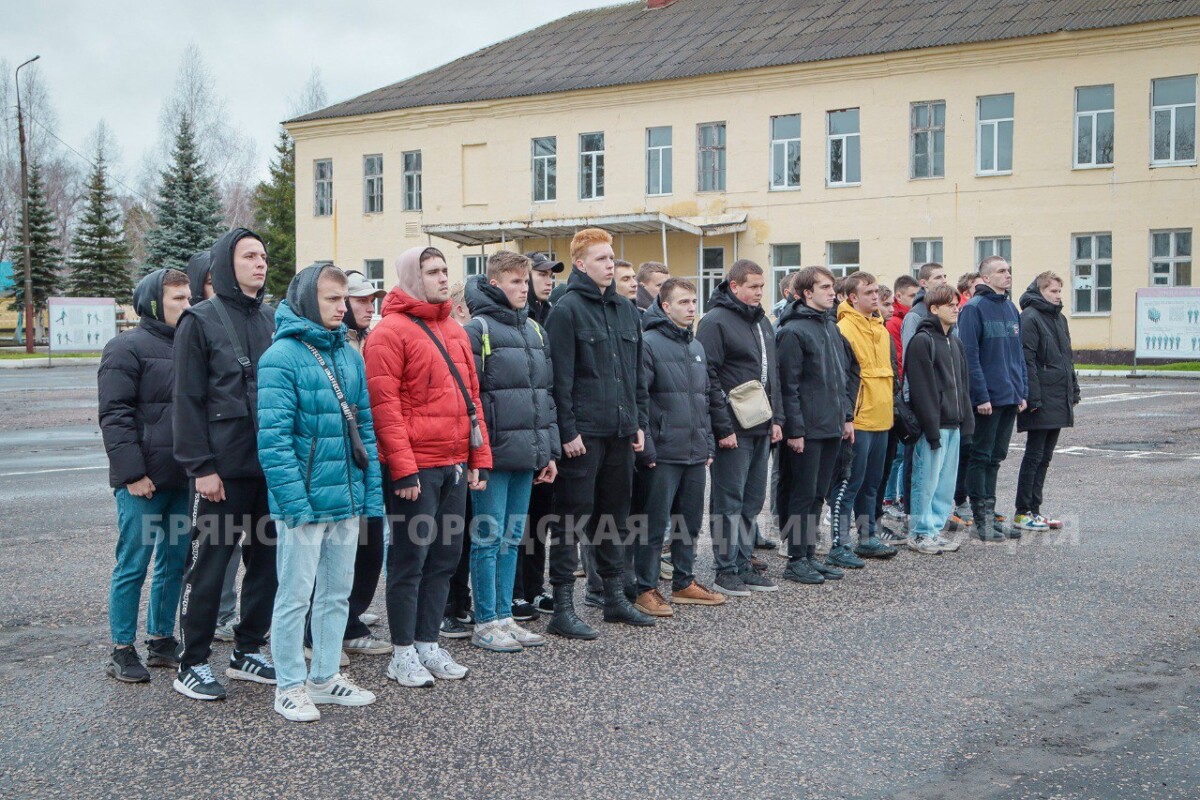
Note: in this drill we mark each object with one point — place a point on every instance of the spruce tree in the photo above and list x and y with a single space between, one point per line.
275 216
100 261
187 211
45 258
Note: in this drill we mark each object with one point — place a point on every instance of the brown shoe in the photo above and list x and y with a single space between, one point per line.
698 595
654 604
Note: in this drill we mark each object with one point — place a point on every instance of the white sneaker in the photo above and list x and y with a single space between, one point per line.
406 669
924 544
341 691
442 665
344 661
893 511
224 633
295 704
368 619
525 638
368 645
947 545
493 636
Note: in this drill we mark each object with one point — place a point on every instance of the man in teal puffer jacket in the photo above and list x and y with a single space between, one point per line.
323 475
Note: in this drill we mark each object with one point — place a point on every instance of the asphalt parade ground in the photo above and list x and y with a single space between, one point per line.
1065 665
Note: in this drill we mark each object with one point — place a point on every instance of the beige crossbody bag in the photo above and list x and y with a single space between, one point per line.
749 400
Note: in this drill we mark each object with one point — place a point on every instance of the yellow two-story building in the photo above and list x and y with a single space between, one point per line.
872 135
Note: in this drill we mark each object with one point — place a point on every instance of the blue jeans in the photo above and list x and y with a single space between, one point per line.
313 561
895 483
496 531
870 451
935 473
144 525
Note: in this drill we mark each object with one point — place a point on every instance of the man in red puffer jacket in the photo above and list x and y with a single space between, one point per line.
425 403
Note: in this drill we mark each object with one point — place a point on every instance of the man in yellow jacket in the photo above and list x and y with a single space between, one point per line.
863 328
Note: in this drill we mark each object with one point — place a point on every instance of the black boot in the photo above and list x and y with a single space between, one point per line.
564 622
983 528
617 607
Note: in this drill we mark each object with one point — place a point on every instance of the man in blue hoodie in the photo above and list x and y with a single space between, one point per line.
990 330
316 445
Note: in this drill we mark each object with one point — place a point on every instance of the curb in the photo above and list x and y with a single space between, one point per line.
44 363
1140 373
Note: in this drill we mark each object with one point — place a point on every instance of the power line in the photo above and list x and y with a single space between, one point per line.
91 163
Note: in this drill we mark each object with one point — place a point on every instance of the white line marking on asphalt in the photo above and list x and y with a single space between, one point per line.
1120 397
1083 450
47 471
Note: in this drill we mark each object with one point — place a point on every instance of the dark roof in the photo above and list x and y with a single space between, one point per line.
626 44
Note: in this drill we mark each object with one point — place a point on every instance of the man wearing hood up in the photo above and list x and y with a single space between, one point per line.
199 274
215 426
135 391
317 448
432 440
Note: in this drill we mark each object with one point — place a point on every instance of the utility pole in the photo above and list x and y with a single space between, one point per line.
25 215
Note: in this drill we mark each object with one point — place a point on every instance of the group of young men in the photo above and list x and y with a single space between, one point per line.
518 423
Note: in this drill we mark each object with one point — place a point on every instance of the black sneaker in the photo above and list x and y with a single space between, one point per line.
162 652
841 556
800 571
830 573
253 667
890 537
756 581
728 583
763 543
544 603
198 683
873 548
593 599
759 565
125 666
453 629
465 617
524 612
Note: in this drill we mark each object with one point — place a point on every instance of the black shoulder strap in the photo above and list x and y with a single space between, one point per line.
227 324
462 387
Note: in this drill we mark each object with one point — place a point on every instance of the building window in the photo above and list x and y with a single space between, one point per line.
993 246
373 269
475 264
785 259
841 258
994 137
591 166
1171 258
710 157
928 122
412 180
712 272
372 184
545 169
1174 118
1094 112
925 251
785 152
843 155
323 187
1091 273
658 161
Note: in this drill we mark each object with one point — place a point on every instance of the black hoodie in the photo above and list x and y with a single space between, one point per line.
136 384
215 400
1049 365
596 346
731 342
818 373
198 267
681 398
935 366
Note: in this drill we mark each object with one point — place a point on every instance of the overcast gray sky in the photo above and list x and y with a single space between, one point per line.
118 60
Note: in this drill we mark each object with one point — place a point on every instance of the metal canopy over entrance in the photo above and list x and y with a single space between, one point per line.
483 233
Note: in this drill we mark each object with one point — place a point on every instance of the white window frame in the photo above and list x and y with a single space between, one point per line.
1095 118
1172 259
412 180
994 247
1174 109
931 129
707 280
474 264
786 144
549 162
994 123
719 155
844 269
373 185
323 188
844 138
376 282
595 189
664 153
927 244
781 271
1092 264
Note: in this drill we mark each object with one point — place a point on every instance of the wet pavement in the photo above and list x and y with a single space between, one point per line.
1064 665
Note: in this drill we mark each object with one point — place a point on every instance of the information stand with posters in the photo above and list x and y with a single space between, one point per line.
81 323
1168 324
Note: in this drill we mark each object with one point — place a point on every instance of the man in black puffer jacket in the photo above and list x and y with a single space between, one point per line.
679 446
216 441
1053 393
136 384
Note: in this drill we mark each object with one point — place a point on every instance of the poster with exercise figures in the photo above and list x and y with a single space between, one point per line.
1168 324
81 323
